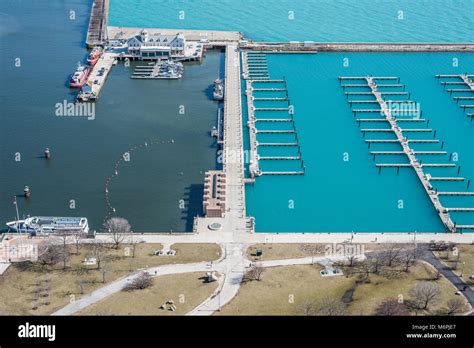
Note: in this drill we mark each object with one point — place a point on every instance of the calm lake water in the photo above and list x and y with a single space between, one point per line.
149 189
316 20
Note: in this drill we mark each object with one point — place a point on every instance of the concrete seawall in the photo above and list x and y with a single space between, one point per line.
358 47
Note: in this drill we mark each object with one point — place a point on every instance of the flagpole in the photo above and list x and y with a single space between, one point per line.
18 229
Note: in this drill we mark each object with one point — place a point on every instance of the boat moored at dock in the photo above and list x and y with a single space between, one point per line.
163 69
79 77
94 56
218 92
47 224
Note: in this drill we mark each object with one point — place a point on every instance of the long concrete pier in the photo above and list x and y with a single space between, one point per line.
312 47
235 219
97 30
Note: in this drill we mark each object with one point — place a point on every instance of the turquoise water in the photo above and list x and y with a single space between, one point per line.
317 20
336 195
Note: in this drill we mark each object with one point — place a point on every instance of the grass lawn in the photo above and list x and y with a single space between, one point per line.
20 284
279 285
465 264
368 296
282 251
295 250
186 290
283 289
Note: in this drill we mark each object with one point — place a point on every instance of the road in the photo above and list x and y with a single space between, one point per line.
425 254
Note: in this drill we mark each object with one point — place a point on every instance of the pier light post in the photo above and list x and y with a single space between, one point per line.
462 269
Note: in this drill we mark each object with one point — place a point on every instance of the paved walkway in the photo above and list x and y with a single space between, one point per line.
231 266
118 285
240 236
425 254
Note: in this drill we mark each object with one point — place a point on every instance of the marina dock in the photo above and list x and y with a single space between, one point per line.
251 78
464 84
96 80
389 116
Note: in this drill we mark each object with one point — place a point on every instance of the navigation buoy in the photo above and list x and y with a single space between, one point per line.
47 153
26 192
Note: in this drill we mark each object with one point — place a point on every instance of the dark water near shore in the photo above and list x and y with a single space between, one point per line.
148 190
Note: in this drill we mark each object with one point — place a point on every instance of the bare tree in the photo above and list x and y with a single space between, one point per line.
308 308
142 281
50 254
365 268
424 294
119 228
407 259
80 284
64 236
351 260
331 307
254 272
391 307
454 306
133 241
377 263
104 271
77 237
391 254
99 252
64 256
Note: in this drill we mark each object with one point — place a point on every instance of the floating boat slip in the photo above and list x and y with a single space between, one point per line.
449 76
464 80
255 70
385 120
277 144
365 78
447 193
460 209
275 81
399 141
274 120
270 99
289 158
271 109
414 163
369 93
465 227
445 178
412 130
269 89
402 152
284 173
270 131
411 165
463 98
167 69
